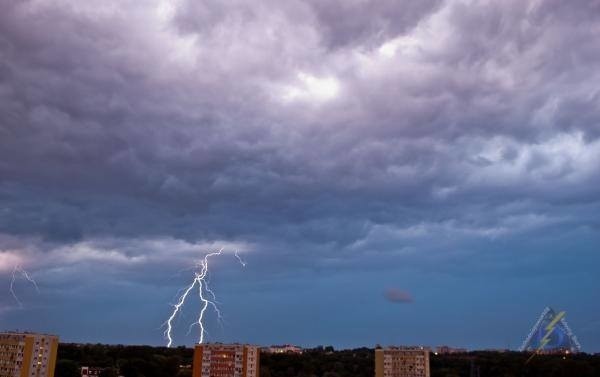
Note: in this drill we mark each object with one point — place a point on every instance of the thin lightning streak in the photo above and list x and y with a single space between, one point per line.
240 259
11 289
205 304
24 274
200 279
176 307
201 316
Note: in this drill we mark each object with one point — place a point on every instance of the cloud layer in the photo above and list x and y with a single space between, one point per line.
335 135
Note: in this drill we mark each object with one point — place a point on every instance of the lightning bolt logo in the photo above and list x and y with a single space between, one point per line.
549 329
205 294
18 270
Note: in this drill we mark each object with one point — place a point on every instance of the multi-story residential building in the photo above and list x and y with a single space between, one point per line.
226 360
27 354
402 362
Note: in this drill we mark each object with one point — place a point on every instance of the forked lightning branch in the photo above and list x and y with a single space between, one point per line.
18 270
206 296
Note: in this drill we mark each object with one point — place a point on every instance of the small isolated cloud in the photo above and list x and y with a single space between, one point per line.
398 296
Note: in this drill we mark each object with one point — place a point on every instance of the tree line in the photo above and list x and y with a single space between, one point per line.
146 361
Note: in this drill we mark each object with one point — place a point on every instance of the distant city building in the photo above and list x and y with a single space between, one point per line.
402 362
442 350
27 354
226 360
90 371
286 348
551 334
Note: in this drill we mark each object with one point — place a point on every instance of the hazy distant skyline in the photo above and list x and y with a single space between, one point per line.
392 172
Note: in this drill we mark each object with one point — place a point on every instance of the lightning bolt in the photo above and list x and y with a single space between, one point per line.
19 270
549 329
239 259
206 295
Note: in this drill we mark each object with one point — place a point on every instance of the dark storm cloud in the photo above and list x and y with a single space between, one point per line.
341 146
347 23
310 129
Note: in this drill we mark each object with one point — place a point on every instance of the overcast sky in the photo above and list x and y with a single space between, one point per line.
393 172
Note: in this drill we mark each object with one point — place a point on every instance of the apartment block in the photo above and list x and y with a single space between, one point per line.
226 360
27 354
402 362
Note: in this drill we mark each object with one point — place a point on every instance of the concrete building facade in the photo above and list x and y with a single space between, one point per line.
402 362
27 354
226 360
